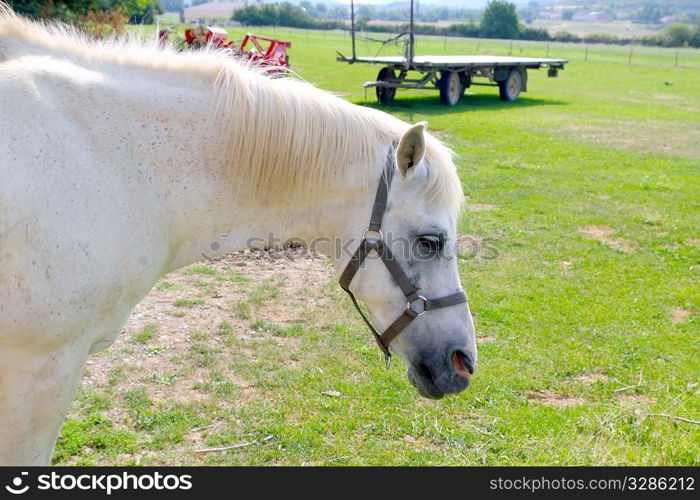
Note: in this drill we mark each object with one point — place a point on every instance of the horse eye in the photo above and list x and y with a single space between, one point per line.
430 244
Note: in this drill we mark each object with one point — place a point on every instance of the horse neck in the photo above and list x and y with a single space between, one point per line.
224 223
211 214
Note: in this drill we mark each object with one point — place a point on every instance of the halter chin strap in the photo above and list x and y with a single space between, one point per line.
416 305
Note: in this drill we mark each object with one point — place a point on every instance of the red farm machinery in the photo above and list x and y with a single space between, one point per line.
262 50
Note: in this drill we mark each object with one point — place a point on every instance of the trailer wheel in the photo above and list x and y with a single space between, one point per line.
510 87
385 94
451 88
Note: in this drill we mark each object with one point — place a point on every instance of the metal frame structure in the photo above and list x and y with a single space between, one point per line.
451 75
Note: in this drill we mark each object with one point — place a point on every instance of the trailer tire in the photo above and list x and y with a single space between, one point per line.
451 88
385 95
510 88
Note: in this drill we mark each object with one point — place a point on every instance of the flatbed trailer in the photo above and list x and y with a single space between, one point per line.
451 75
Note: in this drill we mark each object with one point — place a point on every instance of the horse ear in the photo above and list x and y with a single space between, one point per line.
411 147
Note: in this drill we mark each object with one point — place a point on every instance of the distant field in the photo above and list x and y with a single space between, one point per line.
169 17
588 319
623 29
320 47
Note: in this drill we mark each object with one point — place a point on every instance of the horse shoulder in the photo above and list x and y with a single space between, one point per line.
81 241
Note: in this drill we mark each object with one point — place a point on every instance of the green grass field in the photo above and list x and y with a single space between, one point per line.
588 319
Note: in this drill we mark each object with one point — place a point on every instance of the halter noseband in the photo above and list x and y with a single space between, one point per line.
416 305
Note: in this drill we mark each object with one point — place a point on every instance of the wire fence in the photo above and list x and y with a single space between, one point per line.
635 55
369 44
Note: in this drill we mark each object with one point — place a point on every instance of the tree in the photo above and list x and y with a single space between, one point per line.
695 39
138 11
283 14
64 10
141 11
339 12
500 20
676 35
533 34
362 23
367 10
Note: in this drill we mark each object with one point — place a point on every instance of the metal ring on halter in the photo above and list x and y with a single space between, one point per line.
376 231
411 302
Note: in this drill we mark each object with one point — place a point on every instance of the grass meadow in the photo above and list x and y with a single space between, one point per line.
583 277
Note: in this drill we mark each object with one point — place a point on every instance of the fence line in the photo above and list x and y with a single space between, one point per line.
632 55
596 53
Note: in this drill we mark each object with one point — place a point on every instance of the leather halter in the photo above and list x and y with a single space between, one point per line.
416 305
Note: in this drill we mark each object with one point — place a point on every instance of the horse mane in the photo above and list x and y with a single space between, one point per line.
295 165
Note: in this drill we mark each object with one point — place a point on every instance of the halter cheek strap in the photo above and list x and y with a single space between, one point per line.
416 305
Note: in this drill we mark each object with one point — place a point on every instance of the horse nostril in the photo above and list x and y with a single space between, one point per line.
425 370
464 363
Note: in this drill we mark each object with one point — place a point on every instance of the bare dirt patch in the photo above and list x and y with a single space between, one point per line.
590 378
680 315
482 207
554 399
636 399
440 134
473 245
651 136
195 314
605 234
469 243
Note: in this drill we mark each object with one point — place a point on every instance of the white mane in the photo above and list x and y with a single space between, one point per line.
287 163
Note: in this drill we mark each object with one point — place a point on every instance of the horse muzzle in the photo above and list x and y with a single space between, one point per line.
435 376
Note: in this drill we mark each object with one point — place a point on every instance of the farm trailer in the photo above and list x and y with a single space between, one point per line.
451 75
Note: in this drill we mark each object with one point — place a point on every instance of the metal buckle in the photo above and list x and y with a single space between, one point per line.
377 232
410 303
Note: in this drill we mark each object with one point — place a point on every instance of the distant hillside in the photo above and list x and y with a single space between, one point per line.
682 4
471 4
582 4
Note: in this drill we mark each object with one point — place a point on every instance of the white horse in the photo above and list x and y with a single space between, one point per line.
121 162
